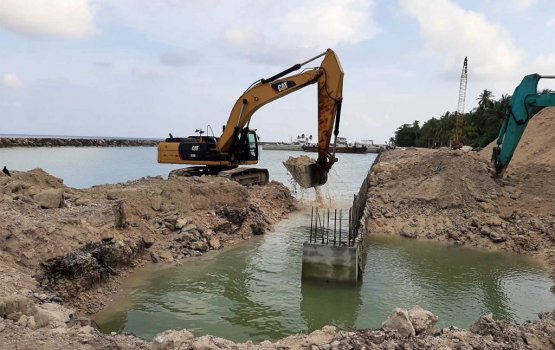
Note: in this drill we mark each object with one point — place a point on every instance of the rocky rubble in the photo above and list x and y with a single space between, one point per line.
486 333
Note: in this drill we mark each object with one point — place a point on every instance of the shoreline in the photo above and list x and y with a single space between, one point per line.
11 142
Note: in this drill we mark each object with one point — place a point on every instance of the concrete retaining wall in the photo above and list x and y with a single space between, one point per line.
330 263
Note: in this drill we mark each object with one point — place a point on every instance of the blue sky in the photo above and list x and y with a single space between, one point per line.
143 68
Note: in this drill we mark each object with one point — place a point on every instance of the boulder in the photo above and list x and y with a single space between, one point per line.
172 340
181 222
188 227
400 322
16 303
52 314
215 243
497 238
409 232
166 255
156 203
422 320
50 198
201 246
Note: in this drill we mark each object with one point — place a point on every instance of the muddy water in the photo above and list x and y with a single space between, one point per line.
254 291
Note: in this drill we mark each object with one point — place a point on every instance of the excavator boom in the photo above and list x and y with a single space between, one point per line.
525 103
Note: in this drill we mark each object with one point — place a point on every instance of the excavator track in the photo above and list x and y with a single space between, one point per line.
247 176
244 176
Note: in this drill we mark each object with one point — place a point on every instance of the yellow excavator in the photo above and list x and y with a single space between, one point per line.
238 144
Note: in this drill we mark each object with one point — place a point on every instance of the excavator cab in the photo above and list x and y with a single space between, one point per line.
245 146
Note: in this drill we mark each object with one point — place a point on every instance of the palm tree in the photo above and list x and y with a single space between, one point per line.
484 100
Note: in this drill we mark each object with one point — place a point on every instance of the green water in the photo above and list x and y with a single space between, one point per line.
254 291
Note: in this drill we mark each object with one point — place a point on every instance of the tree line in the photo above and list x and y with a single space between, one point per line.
480 126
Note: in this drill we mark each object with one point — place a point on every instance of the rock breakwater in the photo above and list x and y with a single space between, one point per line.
6 142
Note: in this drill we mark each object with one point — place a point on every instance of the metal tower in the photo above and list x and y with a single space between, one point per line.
460 109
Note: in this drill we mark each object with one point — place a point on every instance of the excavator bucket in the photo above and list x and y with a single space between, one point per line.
306 172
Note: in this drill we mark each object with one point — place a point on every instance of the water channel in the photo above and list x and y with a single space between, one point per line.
254 291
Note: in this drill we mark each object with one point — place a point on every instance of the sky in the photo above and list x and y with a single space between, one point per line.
145 68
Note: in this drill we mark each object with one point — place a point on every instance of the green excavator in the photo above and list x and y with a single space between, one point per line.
525 103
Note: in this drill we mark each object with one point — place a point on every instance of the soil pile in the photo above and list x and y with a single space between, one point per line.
452 195
74 241
532 169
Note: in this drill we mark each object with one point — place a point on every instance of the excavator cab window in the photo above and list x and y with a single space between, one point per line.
253 145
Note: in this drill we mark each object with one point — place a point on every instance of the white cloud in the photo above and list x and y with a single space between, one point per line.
338 22
57 18
523 4
550 23
259 31
243 37
11 80
544 64
453 33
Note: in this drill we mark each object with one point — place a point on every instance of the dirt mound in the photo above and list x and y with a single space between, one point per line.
76 234
452 195
443 179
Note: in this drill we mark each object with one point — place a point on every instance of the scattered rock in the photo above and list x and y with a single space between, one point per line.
399 321
497 238
258 228
50 198
171 339
215 243
422 320
181 222
156 203
120 220
166 255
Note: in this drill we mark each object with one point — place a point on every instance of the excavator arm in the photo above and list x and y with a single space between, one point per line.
525 103
329 77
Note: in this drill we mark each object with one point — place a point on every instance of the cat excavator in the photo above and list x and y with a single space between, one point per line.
238 143
525 103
